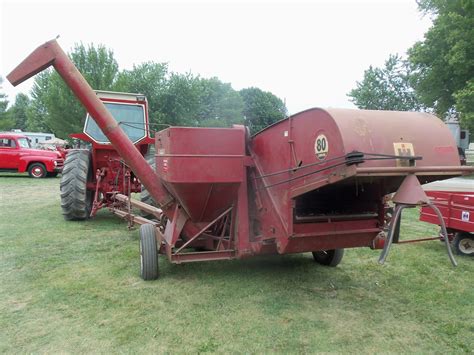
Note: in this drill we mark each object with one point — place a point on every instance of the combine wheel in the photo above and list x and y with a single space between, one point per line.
37 170
463 244
328 257
148 252
76 200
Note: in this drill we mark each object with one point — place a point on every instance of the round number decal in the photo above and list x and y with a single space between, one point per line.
321 146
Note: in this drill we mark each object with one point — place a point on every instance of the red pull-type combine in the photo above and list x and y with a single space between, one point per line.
314 182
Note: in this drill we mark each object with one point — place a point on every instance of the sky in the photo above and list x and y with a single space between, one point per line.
308 53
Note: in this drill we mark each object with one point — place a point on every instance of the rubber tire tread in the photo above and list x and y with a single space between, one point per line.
332 259
76 201
149 265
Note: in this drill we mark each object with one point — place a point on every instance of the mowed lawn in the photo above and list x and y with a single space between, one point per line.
74 287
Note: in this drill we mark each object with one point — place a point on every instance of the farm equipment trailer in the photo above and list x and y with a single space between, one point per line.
314 182
455 200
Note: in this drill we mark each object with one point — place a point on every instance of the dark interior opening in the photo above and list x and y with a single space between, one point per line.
338 202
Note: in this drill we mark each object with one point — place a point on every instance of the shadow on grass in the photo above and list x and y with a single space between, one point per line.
251 269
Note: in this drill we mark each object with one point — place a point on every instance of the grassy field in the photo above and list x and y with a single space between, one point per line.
74 287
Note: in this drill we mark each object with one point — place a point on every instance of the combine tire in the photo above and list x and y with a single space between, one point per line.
463 244
148 252
328 257
37 171
76 200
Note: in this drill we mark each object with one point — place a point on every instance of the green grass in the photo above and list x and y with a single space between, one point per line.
74 287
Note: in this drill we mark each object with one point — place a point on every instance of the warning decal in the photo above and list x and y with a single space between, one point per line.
465 216
321 146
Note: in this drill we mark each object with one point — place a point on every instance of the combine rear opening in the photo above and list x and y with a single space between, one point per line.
351 199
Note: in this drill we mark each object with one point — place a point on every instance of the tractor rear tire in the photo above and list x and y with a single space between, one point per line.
328 257
76 200
463 244
148 252
145 196
37 171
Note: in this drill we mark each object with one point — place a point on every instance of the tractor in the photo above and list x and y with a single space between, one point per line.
92 177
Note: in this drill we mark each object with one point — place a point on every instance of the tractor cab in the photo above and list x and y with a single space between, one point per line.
128 109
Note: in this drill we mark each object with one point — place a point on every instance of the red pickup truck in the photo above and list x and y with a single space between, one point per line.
16 155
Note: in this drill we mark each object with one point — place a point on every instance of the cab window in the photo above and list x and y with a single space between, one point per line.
24 142
7 143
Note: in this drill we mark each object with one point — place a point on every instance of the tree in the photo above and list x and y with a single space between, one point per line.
5 121
261 108
18 112
149 79
37 112
219 104
387 88
444 60
55 107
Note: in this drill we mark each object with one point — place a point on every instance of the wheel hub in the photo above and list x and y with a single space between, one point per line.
37 172
466 246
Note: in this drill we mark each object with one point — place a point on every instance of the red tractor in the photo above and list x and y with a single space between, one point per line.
91 177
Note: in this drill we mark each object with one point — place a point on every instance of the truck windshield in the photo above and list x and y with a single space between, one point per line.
24 143
130 117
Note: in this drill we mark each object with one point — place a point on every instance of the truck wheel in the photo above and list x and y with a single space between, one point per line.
76 200
463 244
328 257
37 170
144 194
148 252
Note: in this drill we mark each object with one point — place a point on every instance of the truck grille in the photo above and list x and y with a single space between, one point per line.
59 163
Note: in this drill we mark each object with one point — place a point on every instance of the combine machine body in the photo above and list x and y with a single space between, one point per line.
314 182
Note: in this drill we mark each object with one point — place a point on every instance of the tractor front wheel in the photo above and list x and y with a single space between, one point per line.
463 244
328 257
76 199
148 252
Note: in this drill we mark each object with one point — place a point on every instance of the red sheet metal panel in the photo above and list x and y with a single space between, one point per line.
202 167
457 209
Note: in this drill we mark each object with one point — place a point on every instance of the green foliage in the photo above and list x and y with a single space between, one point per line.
37 112
261 108
174 98
386 88
444 60
6 123
182 99
18 112
219 104
55 107
465 105
149 79
179 102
